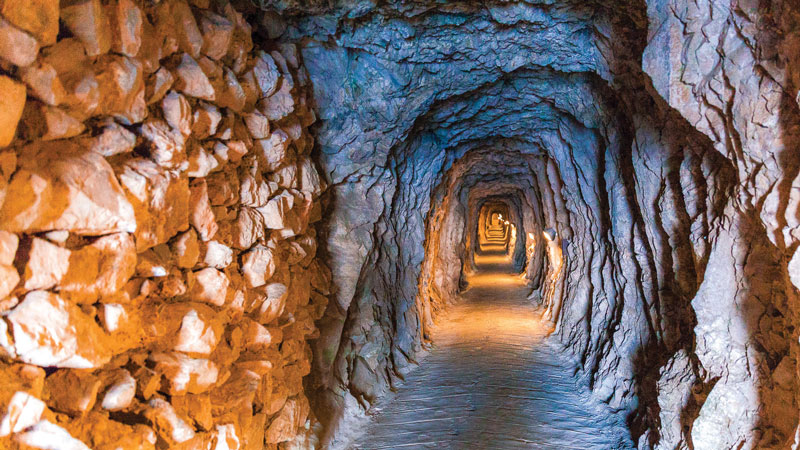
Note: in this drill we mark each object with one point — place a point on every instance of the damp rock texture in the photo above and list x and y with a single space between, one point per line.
647 155
159 279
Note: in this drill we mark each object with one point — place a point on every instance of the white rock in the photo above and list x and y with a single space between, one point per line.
49 436
23 411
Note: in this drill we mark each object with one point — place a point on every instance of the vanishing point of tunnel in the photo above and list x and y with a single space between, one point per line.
386 224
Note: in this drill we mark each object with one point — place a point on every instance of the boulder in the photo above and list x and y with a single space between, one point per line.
12 103
192 81
258 266
257 124
47 435
50 332
274 151
209 285
217 34
46 265
87 20
100 269
291 417
121 83
9 279
158 84
201 216
182 374
171 428
37 17
186 249
72 391
206 120
177 112
43 83
40 121
126 27
22 411
198 335
76 191
16 46
120 390
112 139
160 199
217 255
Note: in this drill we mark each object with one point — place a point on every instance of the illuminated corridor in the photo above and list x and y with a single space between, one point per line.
493 381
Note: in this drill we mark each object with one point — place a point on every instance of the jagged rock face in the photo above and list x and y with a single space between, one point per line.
657 140
158 270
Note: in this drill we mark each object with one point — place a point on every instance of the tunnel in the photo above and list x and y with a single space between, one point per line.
361 224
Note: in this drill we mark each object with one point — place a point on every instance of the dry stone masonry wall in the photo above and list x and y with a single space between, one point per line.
158 248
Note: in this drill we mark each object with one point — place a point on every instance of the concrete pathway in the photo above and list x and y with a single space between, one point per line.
493 381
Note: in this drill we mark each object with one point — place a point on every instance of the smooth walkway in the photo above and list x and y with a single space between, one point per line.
493 381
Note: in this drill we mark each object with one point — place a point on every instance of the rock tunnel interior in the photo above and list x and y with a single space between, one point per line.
240 223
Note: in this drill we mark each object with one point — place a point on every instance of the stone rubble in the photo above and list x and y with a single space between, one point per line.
134 261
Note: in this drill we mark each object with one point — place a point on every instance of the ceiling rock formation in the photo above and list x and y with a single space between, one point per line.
656 141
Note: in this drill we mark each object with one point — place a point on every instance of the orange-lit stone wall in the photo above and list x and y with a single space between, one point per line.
158 280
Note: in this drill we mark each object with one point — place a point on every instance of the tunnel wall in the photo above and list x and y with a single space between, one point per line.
659 129
159 271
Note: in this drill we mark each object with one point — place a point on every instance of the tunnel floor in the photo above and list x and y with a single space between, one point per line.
492 381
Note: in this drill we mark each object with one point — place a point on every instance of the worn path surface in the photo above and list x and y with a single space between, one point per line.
493 382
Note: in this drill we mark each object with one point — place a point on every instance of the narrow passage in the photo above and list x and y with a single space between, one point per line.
493 381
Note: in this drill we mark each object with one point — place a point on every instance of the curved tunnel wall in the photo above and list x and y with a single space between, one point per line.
644 187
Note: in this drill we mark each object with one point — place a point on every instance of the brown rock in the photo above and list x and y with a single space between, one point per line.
101 268
158 84
72 391
101 433
50 332
126 27
166 146
43 82
217 34
201 162
182 374
233 95
121 83
209 285
206 120
285 425
37 17
192 81
87 20
76 191
186 248
22 411
40 121
177 112
12 103
16 46
113 139
196 407
258 266
189 37
171 428
160 199
202 218
46 266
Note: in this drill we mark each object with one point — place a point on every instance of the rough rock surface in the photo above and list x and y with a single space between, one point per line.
128 299
655 142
